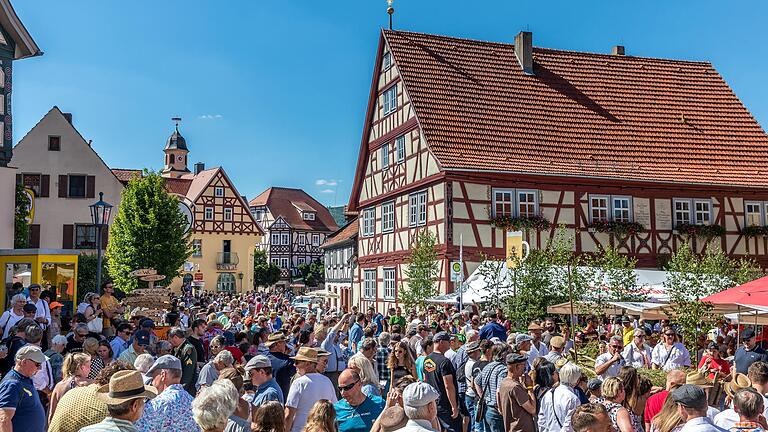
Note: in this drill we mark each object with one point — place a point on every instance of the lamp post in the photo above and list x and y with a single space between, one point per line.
100 213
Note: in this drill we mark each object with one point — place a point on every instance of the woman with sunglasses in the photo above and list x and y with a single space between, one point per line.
90 307
669 353
400 362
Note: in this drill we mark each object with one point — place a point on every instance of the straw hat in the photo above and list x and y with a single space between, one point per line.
275 338
698 379
737 383
125 385
306 354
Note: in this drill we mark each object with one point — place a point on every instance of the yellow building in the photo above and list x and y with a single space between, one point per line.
223 231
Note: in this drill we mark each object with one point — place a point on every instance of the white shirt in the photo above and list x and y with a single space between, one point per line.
304 392
556 408
43 379
636 357
468 373
726 419
537 351
701 424
417 426
43 311
449 354
8 320
679 357
613 370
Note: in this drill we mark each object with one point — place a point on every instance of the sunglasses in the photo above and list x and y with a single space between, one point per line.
37 365
617 346
81 335
348 387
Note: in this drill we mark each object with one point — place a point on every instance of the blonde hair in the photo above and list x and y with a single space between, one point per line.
611 387
322 417
73 362
364 368
90 345
667 419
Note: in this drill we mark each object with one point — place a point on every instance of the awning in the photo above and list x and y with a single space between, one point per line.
647 310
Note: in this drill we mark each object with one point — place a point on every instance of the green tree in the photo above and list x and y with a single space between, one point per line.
421 272
313 273
265 274
20 225
148 232
693 277
86 274
613 277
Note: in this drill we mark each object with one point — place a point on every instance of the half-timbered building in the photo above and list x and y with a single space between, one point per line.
470 138
340 249
295 225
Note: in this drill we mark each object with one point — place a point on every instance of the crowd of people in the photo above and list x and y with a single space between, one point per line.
251 362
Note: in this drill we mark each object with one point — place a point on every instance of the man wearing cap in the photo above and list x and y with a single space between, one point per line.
356 412
748 352
125 397
282 366
440 374
259 371
171 410
305 390
149 326
473 352
420 405
669 354
515 400
609 363
460 360
538 348
139 346
185 351
637 354
692 409
627 330
699 379
556 344
20 406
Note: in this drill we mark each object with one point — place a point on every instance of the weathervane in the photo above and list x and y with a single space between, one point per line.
177 120
390 11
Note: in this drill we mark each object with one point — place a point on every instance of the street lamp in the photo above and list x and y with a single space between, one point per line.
100 213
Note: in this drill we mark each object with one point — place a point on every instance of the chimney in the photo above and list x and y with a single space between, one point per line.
524 51
68 116
199 167
617 50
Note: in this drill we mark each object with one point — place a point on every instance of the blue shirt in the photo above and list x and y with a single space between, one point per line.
18 392
420 367
337 361
378 319
356 335
170 411
268 391
359 418
118 346
493 329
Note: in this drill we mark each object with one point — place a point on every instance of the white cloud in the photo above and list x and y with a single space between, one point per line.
327 191
211 117
324 182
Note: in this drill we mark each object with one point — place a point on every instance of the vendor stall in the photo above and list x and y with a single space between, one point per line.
53 269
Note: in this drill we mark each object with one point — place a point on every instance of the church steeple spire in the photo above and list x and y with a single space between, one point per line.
175 153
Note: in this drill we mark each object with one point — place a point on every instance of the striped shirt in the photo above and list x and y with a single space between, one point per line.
489 380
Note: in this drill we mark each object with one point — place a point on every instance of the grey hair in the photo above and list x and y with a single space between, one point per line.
617 338
164 345
384 339
470 334
177 331
143 362
570 374
214 404
418 413
225 356
59 340
18 297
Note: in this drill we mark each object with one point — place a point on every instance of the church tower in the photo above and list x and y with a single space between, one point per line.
175 154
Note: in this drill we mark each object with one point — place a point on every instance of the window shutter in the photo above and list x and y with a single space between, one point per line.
19 180
90 187
69 236
104 236
45 186
63 186
34 236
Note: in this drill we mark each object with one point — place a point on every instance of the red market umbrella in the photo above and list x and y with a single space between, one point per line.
754 293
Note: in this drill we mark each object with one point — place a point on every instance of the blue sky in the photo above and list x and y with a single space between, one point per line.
276 91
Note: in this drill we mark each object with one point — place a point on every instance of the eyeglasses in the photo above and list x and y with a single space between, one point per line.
348 387
617 346
37 365
81 335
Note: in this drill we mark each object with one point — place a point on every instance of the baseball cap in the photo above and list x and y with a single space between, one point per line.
747 334
142 337
165 362
594 384
690 396
147 323
56 304
31 352
442 336
258 362
419 394
522 338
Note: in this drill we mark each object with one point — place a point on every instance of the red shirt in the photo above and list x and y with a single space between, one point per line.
715 365
236 353
654 405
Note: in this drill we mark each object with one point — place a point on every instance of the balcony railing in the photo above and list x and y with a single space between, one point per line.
227 261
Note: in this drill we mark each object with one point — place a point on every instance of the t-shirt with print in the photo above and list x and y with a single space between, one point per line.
359 418
17 392
436 367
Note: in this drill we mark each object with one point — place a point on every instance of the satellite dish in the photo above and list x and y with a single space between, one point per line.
186 209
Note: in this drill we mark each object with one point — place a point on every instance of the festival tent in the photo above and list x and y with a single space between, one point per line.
647 310
747 296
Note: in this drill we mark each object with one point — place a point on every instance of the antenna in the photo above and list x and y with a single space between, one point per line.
177 120
390 11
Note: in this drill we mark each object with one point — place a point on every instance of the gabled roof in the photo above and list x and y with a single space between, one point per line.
126 174
178 186
281 202
25 45
580 114
345 234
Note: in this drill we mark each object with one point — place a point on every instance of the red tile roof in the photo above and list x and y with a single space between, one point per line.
280 202
177 185
580 114
346 233
126 175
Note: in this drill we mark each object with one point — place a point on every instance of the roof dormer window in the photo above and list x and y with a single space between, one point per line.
308 216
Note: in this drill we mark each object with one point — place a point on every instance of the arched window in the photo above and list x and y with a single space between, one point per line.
226 282
173 159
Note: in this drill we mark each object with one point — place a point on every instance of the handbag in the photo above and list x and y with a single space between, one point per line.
481 404
96 325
